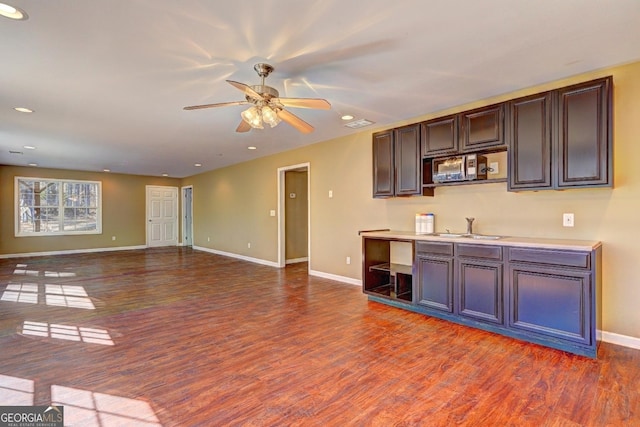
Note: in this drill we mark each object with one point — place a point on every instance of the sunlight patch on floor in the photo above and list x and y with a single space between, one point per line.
67 332
88 409
16 391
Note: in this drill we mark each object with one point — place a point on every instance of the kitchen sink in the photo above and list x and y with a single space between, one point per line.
469 236
451 235
485 237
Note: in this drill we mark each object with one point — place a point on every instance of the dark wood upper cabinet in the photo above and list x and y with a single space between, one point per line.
397 162
482 128
408 161
562 139
584 134
558 139
530 136
383 164
440 136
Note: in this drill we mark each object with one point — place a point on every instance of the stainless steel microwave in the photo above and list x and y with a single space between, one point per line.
469 167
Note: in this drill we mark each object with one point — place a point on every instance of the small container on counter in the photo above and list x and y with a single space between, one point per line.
429 223
424 223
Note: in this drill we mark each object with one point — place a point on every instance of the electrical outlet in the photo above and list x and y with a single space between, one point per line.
567 220
348 260
249 245
331 194
113 237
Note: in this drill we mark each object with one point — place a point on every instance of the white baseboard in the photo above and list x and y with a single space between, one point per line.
335 277
73 251
232 255
623 340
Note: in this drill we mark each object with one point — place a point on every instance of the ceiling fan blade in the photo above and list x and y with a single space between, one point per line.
220 104
246 89
315 103
295 121
243 127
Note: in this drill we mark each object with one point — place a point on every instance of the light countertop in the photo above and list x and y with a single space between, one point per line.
529 242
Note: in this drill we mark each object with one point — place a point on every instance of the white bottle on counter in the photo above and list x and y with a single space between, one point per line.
429 223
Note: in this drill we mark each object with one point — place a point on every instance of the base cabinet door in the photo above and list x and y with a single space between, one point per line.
435 283
480 291
551 302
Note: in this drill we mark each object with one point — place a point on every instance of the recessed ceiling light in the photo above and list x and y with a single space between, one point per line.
165 174
347 117
23 109
12 12
29 147
198 165
106 170
252 148
33 164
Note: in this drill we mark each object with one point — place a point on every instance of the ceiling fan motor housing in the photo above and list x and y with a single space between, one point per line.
267 93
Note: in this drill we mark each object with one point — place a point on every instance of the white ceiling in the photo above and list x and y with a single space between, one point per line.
108 79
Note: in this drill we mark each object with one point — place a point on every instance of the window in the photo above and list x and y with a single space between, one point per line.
47 207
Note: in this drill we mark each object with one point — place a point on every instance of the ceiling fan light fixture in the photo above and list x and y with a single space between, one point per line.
269 116
12 12
253 117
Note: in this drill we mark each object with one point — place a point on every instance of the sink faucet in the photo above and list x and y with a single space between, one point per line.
470 225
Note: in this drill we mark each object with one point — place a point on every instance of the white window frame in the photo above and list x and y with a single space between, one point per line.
17 207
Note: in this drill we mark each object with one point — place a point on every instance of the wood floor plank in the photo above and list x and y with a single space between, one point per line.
205 340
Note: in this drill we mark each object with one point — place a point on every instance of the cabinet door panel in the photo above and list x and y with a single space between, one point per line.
530 144
480 291
584 140
482 128
408 162
383 164
440 136
552 303
435 283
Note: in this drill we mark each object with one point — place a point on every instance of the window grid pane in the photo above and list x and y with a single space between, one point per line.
57 207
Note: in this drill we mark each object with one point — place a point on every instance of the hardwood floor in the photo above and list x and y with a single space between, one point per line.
176 337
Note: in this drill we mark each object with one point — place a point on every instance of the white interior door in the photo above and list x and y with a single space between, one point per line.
162 216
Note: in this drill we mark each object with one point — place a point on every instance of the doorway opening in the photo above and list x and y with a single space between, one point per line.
294 208
187 216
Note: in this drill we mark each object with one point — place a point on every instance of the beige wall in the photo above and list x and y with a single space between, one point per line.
123 215
232 205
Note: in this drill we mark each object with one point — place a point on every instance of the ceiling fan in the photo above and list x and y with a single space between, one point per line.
267 106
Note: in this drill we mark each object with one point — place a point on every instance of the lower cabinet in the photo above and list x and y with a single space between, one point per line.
551 300
382 277
545 296
479 279
434 263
